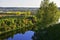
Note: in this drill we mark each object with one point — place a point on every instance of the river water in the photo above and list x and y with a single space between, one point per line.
20 36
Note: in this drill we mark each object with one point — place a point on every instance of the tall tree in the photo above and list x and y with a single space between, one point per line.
47 13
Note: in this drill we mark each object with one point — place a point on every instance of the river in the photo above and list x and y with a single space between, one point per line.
22 36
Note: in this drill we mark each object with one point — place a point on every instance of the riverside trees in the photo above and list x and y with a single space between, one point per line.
47 13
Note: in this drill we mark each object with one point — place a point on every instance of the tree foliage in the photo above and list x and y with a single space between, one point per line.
47 13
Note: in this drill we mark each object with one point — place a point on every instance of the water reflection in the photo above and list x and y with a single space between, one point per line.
26 36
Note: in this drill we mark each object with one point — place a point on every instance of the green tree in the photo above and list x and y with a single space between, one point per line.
47 13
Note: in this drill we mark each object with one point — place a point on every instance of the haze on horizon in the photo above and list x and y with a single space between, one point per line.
24 3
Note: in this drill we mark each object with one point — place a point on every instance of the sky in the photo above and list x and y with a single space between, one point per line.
24 3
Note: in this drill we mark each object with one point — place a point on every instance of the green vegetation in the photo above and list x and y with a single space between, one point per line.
48 14
50 33
10 23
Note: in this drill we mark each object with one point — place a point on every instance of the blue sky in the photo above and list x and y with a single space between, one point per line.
24 3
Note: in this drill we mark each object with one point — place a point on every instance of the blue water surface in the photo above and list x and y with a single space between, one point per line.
26 36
